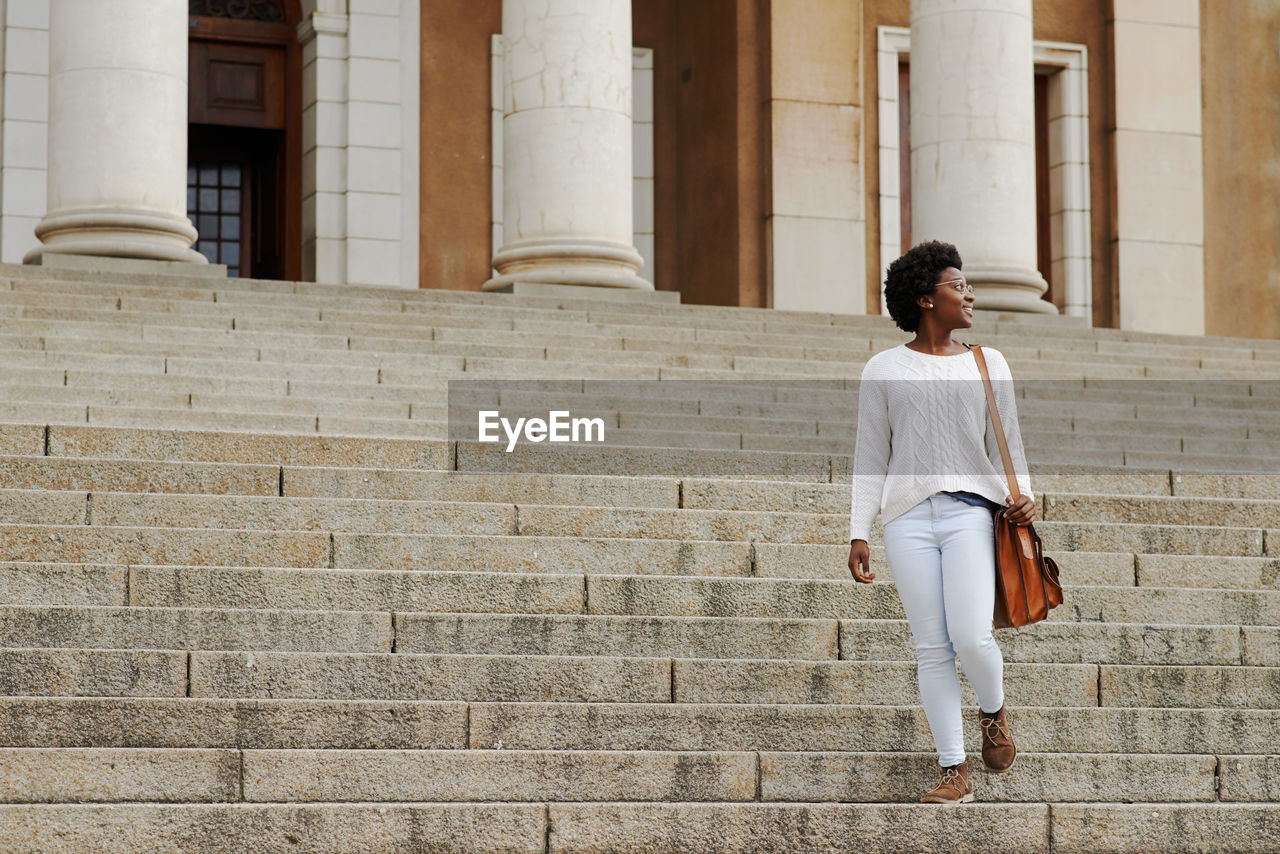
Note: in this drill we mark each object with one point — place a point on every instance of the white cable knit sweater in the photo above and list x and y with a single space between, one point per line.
923 427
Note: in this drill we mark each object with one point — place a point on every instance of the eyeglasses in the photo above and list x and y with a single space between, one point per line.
960 285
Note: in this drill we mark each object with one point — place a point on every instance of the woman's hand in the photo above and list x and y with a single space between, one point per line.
1020 512
860 562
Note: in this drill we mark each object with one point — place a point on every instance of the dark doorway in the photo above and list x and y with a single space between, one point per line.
244 139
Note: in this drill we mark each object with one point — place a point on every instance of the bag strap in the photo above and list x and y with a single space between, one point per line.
995 421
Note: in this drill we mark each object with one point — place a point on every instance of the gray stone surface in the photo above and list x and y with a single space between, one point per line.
620 636
498 775
541 554
70 775
1182 828
34 584
546 726
120 443
866 683
807 828
1190 687
274 828
194 628
138 476
1250 778
300 514
92 673
430 677
245 724
464 486
1195 571
1066 642
1035 777
353 590
115 545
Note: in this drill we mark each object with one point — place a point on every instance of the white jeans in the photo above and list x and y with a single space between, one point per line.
942 558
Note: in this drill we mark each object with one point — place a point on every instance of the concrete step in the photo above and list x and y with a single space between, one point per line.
605 679
151 476
817 639
137 628
36 584
647 595
1246 573
1172 510
140 510
92 673
272 828
774 727
246 724
206 446
86 544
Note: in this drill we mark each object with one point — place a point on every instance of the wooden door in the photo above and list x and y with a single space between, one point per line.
244 140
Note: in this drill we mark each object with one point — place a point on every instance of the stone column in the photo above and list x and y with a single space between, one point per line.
567 149
117 131
973 166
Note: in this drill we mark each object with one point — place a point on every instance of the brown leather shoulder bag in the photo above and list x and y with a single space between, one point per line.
1026 581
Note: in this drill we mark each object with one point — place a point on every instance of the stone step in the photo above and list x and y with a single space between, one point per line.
816 639
647 595
136 628
684 726
37 584
228 447
205 547
246 724
246 512
1241 573
1172 510
405 484
477 678
92 673
272 828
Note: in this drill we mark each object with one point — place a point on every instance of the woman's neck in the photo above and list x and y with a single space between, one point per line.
934 340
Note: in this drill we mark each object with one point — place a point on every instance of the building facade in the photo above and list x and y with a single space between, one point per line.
1114 160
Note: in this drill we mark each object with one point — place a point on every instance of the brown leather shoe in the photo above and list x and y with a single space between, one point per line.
998 750
955 787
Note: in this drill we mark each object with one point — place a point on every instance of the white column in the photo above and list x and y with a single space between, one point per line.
973 167
567 147
1159 167
117 131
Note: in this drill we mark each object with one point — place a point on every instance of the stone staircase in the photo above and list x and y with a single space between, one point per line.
255 597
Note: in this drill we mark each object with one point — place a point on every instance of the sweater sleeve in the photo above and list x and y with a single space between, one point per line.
1006 403
870 455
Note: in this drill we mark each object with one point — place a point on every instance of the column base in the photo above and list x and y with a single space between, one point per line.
539 289
1009 289
582 262
116 234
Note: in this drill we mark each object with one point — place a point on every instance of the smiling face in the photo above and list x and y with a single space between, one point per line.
951 304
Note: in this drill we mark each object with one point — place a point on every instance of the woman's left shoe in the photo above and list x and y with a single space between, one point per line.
998 750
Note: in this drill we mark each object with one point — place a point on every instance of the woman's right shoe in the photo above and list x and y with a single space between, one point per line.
954 788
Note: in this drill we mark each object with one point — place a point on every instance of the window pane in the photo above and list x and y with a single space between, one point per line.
233 272
231 175
207 225
231 201
231 253
209 249
208 200
209 174
191 200
191 173
231 227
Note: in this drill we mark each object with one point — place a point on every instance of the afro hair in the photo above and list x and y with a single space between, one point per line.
915 275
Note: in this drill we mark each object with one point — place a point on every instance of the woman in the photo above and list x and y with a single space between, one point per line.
927 461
